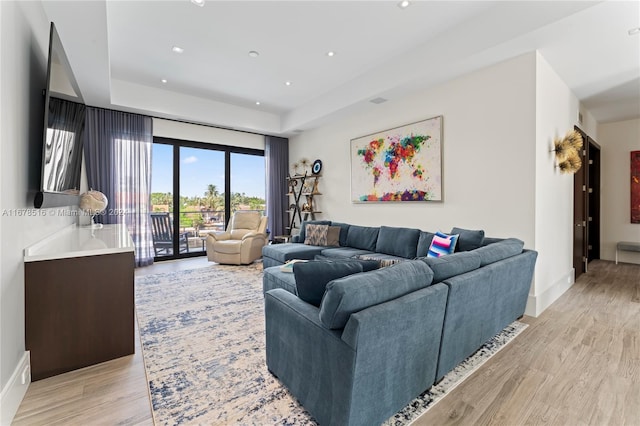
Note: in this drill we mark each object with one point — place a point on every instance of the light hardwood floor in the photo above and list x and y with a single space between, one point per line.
576 364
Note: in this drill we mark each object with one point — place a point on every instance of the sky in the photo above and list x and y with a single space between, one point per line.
201 167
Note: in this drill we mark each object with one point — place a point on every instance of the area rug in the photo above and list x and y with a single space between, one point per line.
203 344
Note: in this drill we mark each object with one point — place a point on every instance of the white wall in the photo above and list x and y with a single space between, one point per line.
556 114
198 133
499 173
617 140
488 154
24 38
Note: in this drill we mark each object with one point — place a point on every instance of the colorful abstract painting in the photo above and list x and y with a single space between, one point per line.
635 186
400 164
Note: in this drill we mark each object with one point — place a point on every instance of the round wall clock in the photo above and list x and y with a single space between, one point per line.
317 166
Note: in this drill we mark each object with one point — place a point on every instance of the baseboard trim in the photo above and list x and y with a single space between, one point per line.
14 391
536 304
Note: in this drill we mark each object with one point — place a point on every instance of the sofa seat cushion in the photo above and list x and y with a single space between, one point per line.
449 266
273 277
400 242
228 246
499 250
312 277
384 259
468 239
288 251
362 237
356 292
344 252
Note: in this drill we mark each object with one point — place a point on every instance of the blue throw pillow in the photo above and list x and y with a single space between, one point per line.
442 244
312 277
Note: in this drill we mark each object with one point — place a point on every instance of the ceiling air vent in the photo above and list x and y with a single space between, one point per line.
378 100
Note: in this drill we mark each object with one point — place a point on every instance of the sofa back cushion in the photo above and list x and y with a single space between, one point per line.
362 237
454 264
401 242
313 276
424 242
500 250
354 293
468 239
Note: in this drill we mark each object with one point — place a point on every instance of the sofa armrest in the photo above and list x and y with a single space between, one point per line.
253 234
219 236
295 239
292 306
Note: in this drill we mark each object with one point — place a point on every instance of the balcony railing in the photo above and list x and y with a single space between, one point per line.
198 224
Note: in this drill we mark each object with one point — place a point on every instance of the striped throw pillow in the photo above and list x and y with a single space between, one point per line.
442 244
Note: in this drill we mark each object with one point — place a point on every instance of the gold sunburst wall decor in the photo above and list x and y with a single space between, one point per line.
567 152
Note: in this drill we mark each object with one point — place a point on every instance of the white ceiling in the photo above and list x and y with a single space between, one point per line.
121 50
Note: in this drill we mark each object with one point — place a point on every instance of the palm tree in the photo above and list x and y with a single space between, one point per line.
211 196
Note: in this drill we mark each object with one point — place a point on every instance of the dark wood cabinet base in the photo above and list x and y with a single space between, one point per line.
78 312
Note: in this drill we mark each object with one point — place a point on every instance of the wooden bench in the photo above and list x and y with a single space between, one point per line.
626 246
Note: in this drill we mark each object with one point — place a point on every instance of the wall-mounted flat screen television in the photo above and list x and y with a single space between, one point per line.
62 139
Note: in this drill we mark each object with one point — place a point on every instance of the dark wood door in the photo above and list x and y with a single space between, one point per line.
586 206
580 216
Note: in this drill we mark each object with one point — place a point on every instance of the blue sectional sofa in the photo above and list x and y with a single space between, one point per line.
378 339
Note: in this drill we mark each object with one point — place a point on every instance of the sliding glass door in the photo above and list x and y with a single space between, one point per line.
202 205
195 188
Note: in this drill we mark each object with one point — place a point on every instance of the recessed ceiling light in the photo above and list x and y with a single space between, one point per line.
634 31
404 4
287 83
177 49
378 100
164 80
254 54
198 2
331 53
257 102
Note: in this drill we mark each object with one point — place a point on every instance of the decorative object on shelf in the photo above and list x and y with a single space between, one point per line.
399 164
93 202
567 151
295 167
305 164
301 209
317 167
635 186
307 188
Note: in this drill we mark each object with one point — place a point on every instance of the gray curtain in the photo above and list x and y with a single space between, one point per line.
276 155
118 160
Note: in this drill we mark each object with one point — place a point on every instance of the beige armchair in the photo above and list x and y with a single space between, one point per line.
242 242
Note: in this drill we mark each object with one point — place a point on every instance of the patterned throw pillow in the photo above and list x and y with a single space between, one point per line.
316 235
442 244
